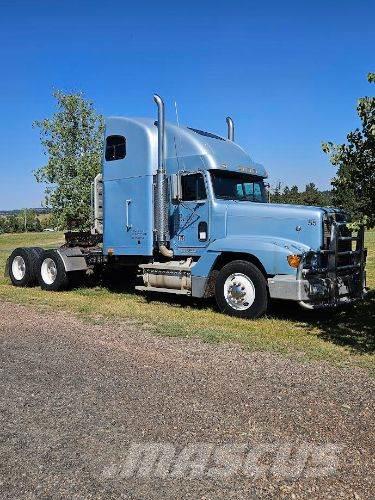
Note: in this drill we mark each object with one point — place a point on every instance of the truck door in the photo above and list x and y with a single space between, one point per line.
191 215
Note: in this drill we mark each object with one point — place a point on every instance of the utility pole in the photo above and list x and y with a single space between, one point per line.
25 216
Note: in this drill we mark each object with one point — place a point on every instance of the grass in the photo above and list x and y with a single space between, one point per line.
344 338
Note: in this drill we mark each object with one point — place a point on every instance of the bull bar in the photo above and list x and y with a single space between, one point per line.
335 284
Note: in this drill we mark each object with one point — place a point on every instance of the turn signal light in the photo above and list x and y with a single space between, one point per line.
294 260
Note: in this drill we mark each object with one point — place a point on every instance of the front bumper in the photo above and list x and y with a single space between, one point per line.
329 286
318 293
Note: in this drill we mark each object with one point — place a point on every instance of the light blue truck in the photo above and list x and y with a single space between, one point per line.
189 210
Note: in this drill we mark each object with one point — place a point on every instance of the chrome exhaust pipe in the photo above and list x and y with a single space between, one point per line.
230 128
161 205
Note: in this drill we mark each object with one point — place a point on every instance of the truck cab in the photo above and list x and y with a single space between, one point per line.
189 209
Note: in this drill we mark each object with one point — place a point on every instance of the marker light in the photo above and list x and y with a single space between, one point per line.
294 260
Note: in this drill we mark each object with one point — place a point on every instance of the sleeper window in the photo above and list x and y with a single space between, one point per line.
193 187
115 147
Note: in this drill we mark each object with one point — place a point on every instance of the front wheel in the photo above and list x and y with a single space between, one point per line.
241 290
52 274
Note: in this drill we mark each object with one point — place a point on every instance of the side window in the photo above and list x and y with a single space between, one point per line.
193 187
115 147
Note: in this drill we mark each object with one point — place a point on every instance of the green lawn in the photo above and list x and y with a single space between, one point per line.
345 338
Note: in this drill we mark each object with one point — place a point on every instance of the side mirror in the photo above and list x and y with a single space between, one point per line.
176 190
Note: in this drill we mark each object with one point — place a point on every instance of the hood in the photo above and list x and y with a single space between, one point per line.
297 223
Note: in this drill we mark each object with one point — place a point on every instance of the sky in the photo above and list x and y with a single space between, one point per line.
289 73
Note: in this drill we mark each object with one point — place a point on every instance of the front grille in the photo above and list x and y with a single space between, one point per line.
326 233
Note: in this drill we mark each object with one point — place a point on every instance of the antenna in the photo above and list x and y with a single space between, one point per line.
177 120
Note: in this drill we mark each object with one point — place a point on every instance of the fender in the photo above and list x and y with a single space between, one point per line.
271 251
73 259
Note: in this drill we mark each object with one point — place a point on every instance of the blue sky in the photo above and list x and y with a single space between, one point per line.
289 73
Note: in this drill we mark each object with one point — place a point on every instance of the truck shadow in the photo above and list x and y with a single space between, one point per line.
353 327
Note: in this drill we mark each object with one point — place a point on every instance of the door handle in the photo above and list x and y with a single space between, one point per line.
128 225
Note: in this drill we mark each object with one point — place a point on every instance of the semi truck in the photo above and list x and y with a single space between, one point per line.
188 211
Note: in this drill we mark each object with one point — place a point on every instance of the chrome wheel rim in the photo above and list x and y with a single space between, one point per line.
49 271
239 291
18 268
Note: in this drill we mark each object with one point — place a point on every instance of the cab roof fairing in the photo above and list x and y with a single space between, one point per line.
187 149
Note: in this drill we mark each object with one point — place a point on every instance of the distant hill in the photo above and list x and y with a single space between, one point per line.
38 211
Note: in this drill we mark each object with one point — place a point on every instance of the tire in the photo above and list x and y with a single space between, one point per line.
52 275
23 266
241 290
38 252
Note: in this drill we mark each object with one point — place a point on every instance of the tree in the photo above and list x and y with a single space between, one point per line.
12 224
24 220
72 141
286 194
354 184
311 195
32 221
276 196
46 221
295 196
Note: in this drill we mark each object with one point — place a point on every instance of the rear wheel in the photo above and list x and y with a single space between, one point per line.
52 274
38 252
241 290
23 266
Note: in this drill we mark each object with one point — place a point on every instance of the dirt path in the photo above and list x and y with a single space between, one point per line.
76 398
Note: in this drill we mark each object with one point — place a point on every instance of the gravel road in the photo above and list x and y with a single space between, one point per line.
79 400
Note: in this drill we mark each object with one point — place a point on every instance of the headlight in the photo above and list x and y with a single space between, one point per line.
314 261
311 260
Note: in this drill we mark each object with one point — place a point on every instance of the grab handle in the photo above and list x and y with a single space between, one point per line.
128 225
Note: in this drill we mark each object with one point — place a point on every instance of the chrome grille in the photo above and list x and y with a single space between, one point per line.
326 233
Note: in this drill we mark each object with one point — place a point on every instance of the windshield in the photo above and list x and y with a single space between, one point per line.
237 186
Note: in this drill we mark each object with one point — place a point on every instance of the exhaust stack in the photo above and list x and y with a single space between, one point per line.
161 205
230 128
